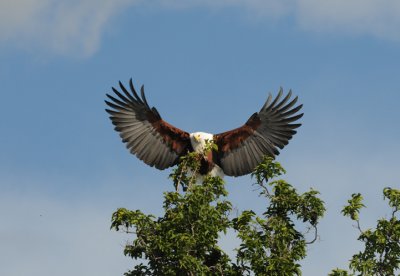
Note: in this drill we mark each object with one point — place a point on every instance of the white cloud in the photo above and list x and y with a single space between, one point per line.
263 8
379 18
76 26
61 26
372 17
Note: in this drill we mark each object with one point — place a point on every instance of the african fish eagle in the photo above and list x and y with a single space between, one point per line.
159 144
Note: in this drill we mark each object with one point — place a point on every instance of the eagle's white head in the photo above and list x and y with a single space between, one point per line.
198 140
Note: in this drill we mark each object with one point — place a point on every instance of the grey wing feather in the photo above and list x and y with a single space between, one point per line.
263 134
146 135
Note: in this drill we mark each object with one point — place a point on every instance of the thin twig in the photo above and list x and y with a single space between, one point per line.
315 235
358 226
394 211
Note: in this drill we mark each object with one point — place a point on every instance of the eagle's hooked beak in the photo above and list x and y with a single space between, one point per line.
197 138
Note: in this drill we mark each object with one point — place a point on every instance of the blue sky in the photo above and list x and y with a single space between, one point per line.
206 66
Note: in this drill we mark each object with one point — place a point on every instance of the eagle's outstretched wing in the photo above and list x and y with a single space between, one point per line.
146 135
240 150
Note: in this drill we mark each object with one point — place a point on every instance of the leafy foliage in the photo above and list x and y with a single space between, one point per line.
272 245
184 241
353 209
339 272
381 254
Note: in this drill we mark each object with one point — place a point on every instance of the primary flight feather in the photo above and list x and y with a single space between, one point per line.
159 144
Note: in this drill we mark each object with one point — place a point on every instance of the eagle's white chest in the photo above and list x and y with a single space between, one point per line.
216 171
199 141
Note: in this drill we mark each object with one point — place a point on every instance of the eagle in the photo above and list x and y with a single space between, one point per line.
161 145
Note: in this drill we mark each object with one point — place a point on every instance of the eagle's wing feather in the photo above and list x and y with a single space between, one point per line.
240 150
146 135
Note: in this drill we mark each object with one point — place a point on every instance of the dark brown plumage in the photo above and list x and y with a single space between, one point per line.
240 150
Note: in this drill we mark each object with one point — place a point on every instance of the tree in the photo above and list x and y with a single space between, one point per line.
381 254
184 241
